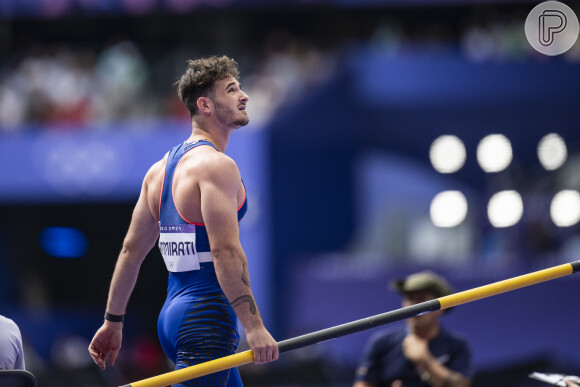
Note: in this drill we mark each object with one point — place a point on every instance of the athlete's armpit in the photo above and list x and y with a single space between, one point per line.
240 300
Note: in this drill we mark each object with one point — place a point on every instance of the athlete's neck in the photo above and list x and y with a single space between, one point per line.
219 139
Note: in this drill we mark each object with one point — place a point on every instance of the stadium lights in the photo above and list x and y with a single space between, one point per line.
448 209
494 153
565 208
447 154
552 151
505 208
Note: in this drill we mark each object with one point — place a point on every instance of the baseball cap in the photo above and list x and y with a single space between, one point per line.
422 281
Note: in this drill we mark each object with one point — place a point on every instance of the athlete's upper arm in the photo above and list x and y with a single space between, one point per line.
219 186
144 228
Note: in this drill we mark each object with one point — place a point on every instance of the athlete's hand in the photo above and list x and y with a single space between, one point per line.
107 341
263 346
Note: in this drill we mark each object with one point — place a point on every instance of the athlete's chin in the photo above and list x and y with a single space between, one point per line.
241 122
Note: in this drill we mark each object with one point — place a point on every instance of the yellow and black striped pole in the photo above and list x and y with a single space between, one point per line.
441 303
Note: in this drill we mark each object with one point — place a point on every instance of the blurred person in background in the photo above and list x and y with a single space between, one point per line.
11 352
192 200
422 353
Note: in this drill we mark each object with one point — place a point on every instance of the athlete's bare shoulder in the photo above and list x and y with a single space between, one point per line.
152 185
155 171
206 162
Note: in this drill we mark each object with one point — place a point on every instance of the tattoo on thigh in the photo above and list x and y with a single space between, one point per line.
245 277
240 300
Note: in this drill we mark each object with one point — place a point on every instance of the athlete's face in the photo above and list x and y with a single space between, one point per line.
230 103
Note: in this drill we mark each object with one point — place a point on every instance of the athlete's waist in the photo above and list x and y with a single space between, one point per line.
183 247
194 282
205 256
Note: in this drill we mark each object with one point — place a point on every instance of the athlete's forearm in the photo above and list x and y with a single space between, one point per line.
232 273
141 236
123 282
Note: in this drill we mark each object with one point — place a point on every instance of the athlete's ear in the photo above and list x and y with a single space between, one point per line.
204 105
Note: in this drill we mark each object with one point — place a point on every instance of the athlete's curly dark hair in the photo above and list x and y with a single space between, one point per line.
200 76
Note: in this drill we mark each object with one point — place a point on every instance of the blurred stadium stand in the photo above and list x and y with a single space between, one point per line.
60 8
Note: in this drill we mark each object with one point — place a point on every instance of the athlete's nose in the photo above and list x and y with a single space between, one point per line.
244 97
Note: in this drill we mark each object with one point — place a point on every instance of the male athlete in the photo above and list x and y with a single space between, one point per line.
192 200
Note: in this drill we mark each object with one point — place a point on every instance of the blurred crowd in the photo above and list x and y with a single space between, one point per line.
73 87
59 84
490 36
64 84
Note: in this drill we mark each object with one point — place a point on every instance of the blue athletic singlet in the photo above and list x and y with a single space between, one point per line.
196 323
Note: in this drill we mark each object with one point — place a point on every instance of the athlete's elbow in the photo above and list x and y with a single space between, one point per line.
133 251
226 253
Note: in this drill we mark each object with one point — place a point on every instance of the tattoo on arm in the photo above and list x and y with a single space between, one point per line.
245 277
240 300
